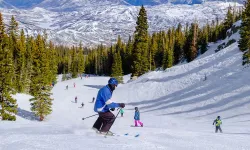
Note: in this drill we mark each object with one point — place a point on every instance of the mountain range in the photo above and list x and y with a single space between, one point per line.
92 22
73 3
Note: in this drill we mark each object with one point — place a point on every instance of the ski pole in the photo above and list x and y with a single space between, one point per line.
113 122
89 116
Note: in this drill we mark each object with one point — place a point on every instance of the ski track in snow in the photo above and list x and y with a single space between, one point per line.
177 109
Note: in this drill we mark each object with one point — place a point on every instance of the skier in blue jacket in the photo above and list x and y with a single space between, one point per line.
137 117
103 105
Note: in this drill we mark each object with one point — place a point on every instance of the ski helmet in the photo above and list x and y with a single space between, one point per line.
113 81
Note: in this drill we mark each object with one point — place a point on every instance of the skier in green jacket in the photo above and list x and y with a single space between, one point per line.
217 123
122 112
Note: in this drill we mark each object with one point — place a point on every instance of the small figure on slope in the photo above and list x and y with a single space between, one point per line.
67 87
82 105
217 123
93 100
76 99
137 117
122 112
102 106
74 85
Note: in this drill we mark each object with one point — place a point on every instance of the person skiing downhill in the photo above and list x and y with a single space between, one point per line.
102 106
82 105
217 123
137 117
122 112
76 99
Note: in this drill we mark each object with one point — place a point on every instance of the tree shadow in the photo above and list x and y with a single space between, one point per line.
212 88
204 65
228 108
216 105
95 86
234 116
27 114
189 92
244 121
170 97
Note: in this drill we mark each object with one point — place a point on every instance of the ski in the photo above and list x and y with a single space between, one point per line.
120 135
128 135
135 126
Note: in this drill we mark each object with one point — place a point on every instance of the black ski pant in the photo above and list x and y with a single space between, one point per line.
218 128
104 121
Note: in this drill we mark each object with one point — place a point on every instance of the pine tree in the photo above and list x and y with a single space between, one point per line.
204 40
110 59
40 87
52 62
229 19
244 42
8 106
127 62
74 64
13 38
139 54
118 46
20 63
171 38
191 46
152 51
117 67
168 50
160 49
178 45
165 51
81 66
64 77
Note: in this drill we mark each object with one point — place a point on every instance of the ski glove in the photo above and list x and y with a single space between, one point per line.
112 109
122 105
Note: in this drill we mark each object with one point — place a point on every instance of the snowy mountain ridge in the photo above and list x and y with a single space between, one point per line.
56 3
98 24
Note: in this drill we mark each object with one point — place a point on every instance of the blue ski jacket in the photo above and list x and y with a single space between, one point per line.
103 101
137 115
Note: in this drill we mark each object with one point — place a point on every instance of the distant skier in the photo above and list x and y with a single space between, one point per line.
93 100
137 117
103 104
74 85
122 112
76 99
217 123
67 87
82 105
